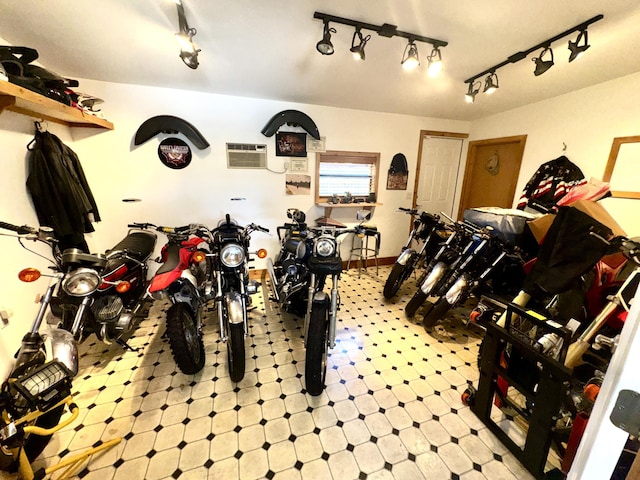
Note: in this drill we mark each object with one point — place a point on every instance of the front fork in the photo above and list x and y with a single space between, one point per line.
333 309
237 307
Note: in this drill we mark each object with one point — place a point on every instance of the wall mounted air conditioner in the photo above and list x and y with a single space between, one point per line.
246 155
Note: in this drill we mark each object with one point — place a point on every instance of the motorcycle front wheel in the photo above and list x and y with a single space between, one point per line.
438 311
184 339
235 352
316 355
397 276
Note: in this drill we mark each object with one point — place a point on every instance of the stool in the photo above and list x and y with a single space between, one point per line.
360 249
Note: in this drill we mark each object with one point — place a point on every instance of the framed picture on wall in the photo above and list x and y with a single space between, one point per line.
289 144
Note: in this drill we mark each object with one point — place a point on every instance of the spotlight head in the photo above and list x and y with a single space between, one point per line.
491 83
576 49
324 46
470 96
358 50
435 62
543 65
410 59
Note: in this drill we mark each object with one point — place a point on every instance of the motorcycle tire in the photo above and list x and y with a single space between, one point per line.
184 339
438 311
415 303
315 370
235 352
397 276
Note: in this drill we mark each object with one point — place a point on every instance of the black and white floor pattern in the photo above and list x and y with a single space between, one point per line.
391 409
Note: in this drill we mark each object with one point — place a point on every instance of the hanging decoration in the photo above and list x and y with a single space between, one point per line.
174 153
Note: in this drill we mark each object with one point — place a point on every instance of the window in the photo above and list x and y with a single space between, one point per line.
340 172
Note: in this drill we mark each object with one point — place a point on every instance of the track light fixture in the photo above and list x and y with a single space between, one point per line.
576 49
188 51
470 96
324 46
491 83
541 65
358 50
410 59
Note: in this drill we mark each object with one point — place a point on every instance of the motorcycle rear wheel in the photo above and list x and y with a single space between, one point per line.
235 352
397 276
184 339
438 311
315 370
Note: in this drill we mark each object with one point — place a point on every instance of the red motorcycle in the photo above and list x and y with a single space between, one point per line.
184 280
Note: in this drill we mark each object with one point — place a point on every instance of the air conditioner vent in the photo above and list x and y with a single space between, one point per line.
246 155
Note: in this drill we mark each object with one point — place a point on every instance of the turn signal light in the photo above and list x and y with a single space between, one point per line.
262 253
198 256
123 286
29 275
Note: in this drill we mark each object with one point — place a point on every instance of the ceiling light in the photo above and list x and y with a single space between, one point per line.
491 83
435 62
470 96
358 50
543 65
578 50
410 60
188 51
324 46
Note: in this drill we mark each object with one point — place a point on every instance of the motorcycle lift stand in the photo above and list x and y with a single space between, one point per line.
520 402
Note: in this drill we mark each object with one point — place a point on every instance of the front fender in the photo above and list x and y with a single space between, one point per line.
63 347
235 307
434 277
404 257
454 293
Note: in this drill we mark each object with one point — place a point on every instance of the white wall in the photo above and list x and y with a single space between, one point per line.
202 192
586 121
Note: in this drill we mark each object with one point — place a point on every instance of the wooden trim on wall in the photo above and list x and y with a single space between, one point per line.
364 157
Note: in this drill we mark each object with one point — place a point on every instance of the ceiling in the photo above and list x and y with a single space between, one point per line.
266 49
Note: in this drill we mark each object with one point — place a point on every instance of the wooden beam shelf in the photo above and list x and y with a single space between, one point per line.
21 100
328 207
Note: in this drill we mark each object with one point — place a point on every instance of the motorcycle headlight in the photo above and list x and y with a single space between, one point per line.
81 282
325 247
232 255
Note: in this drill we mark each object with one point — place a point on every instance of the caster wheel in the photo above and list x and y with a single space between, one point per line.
468 396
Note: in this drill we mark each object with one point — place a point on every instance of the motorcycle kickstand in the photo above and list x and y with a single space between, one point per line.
126 346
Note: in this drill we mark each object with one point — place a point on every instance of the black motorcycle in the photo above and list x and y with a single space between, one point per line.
233 288
426 233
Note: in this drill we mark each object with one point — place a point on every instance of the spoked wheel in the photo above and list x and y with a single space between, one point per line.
397 276
185 340
316 356
235 352
438 311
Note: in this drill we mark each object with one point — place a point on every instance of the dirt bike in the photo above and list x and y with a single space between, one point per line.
184 278
232 287
425 232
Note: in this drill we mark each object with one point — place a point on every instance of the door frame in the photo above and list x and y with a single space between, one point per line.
471 159
432 133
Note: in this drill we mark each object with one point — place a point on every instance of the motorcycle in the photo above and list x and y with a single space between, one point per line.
233 288
184 279
458 244
425 230
474 273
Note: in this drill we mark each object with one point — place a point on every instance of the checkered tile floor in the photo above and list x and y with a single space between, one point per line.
391 408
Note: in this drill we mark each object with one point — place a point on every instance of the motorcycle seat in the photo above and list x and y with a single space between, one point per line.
138 245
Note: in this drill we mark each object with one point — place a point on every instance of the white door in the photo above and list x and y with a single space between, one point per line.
438 175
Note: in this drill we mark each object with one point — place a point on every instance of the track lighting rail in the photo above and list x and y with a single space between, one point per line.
384 30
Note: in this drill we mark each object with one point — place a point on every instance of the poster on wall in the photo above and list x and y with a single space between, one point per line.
289 144
174 153
398 173
297 184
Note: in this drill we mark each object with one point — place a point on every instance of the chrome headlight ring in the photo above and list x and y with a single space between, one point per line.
81 282
232 255
325 246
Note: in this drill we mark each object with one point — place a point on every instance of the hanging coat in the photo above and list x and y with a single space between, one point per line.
552 181
59 190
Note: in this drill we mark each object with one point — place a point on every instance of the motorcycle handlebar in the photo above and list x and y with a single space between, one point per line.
20 230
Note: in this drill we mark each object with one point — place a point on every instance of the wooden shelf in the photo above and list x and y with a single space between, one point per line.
21 100
328 207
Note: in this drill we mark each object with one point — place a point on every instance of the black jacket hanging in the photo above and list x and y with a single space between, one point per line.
550 183
59 190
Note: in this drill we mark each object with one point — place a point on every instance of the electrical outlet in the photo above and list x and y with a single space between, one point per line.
5 314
